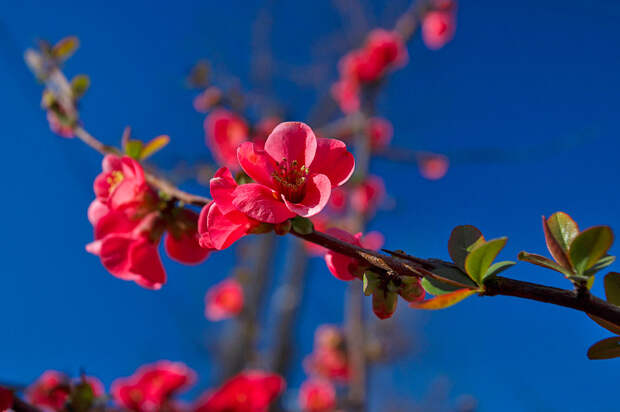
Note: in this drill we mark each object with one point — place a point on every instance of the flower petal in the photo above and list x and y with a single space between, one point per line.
333 160
222 186
292 141
256 163
318 189
224 229
146 264
260 202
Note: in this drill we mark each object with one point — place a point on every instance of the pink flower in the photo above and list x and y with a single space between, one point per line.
224 300
58 127
121 184
380 131
328 363
338 199
317 395
433 166
438 28
126 249
224 132
182 243
344 267
263 129
249 391
50 391
6 399
220 224
294 174
346 93
367 196
152 386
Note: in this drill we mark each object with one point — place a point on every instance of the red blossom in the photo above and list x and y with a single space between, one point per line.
263 129
220 224
126 249
58 127
121 184
380 131
294 174
152 386
317 395
433 166
224 300
249 391
439 26
224 132
367 196
344 267
6 399
50 391
346 93
182 244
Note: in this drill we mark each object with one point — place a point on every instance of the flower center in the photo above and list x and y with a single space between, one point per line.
290 179
115 177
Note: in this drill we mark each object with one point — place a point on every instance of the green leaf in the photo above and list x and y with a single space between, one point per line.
154 146
65 48
544 262
82 397
605 349
302 225
443 301
480 258
133 148
371 282
589 246
498 268
563 229
79 85
438 287
601 264
461 239
612 327
411 292
384 304
612 288
557 248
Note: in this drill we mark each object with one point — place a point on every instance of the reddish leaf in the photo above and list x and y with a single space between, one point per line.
612 327
605 349
443 301
555 247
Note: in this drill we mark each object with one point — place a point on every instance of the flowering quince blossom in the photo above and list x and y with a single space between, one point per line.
50 391
433 166
329 357
249 391
224 300
152 386
439 25
182 243
367 196
224 132
380 131
346 93
345 267
317 395
6 399
294 174
220 224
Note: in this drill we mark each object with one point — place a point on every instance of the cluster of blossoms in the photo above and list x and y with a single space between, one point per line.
224 300
129 220
439 24
293 175
382 51
327 367
152 388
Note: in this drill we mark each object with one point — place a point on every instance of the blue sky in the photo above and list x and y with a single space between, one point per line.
535 82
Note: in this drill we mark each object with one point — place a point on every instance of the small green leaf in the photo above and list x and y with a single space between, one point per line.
82 397
600 265
371 282
556 247
455 279
544 262
589 246
498 268
302 225
461 239
605 349
443 301
154 146
65 48
480 258
563 229
612 288
133 148
79 85
411 292
384 304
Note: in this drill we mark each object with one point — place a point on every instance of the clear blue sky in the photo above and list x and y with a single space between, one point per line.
536 80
